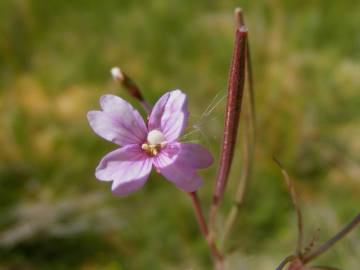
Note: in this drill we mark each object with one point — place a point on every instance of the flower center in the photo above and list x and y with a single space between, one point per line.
155 142
155 137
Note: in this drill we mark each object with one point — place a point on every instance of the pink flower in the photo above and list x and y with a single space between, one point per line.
145 146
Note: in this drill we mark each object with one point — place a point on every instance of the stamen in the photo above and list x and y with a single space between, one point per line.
155 142
145 147
152 149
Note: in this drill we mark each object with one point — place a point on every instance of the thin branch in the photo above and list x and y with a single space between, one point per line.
295 202
232 114
130 86
199 213
285 262
216 255
311 244
250 80
242 186
327 245
323 268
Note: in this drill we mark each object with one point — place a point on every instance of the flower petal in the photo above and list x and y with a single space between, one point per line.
178 163
183 177
119 122
170 114
191 154
129 167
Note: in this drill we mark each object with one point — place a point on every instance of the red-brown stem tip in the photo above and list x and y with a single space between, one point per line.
243 31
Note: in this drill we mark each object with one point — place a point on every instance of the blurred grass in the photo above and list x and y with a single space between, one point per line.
55 58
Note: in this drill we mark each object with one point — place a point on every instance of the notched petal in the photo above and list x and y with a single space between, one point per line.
128 168
178 163
106 127
119 122
170 114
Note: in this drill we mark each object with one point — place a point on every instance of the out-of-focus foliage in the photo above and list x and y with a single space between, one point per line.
55 58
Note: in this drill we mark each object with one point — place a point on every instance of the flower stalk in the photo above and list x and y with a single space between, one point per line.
216 255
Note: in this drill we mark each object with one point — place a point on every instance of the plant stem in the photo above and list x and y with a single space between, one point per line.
241 189
232 115
323 268
285 262
296 205
251 92
327 245
216 255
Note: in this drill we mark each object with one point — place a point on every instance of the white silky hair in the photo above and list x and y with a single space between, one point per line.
204 118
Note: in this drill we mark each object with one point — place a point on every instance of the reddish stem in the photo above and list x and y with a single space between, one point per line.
232 115
218 258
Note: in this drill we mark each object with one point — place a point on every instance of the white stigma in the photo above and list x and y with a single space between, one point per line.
117 74
155 137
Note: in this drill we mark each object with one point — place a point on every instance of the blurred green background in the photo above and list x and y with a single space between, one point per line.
55 58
